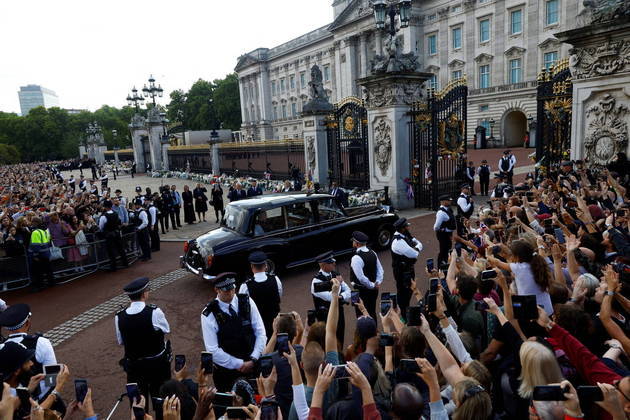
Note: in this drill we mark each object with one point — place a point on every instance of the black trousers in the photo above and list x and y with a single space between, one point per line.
144 242
403 276
176 211
155 238
224 378
41 272
216 212
150 376
446 243
161 218
483 185
115 247
369 297
471 182
509 176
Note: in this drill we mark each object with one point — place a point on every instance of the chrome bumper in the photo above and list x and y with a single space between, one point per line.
195 271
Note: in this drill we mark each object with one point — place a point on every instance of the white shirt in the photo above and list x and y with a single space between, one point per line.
157 317
356 263
526 285
153 211
463 204
210 328
3 305
44 354
144 219
259 278
401 247
440 217
104 177
512 163
344 290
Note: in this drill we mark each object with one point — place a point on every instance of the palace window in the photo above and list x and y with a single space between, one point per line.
516 71
433 82
282 86
455 75
516 22
551 12
275 112
292 82
484 76
484 108
484 30
326 73
293 109
432 44
273 87
284 111
456 34
303 80
550 59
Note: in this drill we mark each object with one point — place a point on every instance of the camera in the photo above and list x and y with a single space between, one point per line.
414 316
324 286
386 340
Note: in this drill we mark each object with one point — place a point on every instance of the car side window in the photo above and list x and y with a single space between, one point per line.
299 214
328 209
269 220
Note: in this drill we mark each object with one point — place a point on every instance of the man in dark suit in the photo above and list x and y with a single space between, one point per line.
237 193
254 189
339 194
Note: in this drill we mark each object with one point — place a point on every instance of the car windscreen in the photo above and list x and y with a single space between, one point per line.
235 218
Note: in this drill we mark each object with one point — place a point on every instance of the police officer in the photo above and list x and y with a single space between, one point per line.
83 184
233 332
502 189
327 266
366 274
405 250
506 165
484 177
465 205
140 329
470 176
154 231
444 227
109 223
264 288
141 221
39 255
72 183
16 319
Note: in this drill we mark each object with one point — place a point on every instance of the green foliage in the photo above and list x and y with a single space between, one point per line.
9 154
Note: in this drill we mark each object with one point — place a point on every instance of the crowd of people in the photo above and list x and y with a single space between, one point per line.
524 314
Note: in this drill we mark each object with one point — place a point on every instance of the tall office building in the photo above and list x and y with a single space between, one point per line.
32 96
500 45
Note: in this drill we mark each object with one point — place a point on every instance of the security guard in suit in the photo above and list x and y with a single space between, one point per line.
233 332
405 250
444 227
265 290
141 329
366 274
327 266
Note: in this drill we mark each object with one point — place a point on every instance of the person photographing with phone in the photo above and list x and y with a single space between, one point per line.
321 289
366 274
141 329
233 331
405 250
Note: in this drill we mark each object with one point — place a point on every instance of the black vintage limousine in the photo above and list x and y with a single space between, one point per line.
292 229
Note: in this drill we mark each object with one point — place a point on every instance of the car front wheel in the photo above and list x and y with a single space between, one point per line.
383 237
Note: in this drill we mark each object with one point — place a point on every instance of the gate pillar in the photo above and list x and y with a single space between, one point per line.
315 146
388 98
138 130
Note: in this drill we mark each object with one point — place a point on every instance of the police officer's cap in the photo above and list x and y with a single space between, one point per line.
401 223
257 258
499 176
326 258
107 204
445 197
567 163
137 202
137 286
464 185
505 152
15 316
359 237
12 357
225 281
138 189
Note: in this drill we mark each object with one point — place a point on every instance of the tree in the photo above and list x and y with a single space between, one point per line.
9 154
227 101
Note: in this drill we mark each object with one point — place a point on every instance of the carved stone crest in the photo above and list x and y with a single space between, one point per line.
600 11
310 153
602 60
607 131
401 92
382 144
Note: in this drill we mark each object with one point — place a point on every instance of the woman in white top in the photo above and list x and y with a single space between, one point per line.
531 272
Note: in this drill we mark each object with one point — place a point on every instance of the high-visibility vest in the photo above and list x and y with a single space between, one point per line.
40 236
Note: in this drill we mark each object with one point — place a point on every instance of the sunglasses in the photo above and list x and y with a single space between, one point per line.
616 385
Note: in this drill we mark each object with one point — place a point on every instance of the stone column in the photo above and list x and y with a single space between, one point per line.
165 162
241 92
138 130
351 66
378 41
215 159
156 131
600 69
364 59
338 74
316 146
264 98
116 160
389 99
82 151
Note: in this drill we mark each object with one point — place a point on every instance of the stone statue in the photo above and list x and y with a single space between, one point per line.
318 100
310 153
607 132
601 11
383 145
393 60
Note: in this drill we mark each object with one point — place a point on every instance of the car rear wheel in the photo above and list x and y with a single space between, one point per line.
271 266
384 237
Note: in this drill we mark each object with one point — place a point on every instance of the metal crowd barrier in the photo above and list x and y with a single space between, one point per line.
78 261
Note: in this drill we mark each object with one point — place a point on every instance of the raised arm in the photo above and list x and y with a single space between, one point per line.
448 364
333 316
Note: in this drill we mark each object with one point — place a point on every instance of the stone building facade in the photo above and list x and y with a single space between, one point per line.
499 45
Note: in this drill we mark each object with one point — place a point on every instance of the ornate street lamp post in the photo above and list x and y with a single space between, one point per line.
385 8
492 122
395 61
134 99
152 91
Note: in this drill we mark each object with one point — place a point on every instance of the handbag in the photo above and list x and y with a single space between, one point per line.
54 253
81 242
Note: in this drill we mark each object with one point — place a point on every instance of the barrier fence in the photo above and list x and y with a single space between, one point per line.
78 261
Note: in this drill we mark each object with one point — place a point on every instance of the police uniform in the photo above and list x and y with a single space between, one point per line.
233 332
154 233
109 223
502 189
405 250
444 227
484 178
506 165
470 178
323 299
140 220
265 290
366 273
465 205
140 329
15 318
72 184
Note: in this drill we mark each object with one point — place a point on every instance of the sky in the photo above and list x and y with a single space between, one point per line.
92 52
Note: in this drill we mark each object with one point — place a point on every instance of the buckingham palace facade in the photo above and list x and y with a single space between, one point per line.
500 45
